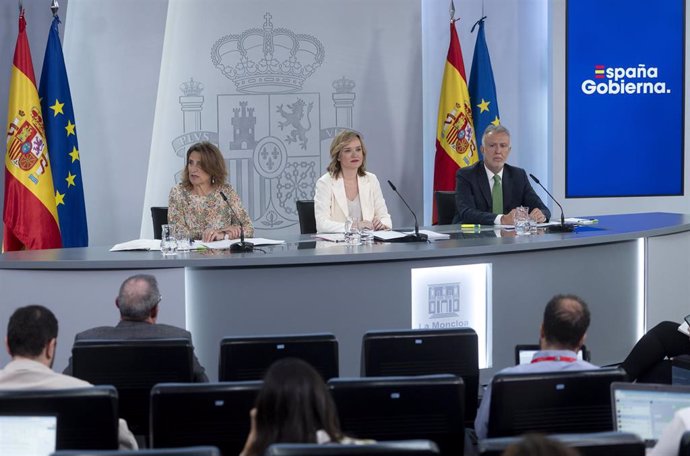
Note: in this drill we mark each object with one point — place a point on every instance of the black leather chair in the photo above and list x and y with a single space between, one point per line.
552 402
247 358
189 451
445 207
305 212
133 367
592 444
684 449
87 417
202 414
159 215
425 352
428 407
390 448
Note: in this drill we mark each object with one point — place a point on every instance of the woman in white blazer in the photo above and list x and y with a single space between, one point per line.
348 190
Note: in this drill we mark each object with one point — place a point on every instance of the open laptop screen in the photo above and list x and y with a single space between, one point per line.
646 409
525 352
27 435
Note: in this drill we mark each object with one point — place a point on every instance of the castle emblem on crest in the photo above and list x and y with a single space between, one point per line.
458 132
26 143
270 132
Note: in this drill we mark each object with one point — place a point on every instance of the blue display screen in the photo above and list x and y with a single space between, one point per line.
624 98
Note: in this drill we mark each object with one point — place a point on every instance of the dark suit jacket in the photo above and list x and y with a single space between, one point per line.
139 330
473 194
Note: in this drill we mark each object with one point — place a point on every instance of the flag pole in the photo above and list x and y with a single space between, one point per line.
451 10
54 7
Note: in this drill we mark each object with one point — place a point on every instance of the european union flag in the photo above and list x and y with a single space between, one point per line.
61 135
482 87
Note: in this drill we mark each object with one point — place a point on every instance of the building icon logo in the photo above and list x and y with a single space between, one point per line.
443 300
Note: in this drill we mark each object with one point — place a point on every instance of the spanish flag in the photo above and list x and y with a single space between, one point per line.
30 215
456 146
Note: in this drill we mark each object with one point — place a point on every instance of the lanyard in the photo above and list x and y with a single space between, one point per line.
566 359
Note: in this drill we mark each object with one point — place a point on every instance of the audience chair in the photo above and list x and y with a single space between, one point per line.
159 216
305 212
190 451
399 408
86 417
247 358
202 414
445 207
133 367
552 402
593 444
392 448
424 352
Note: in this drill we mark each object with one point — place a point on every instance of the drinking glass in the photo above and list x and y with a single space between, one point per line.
352 236
168 241
522 224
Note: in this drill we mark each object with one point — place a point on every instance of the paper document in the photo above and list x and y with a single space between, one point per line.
137 244
432 235
684 328
388 235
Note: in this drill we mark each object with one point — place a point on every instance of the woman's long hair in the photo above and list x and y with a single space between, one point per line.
293 403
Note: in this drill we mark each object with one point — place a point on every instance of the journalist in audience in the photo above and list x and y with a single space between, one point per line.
293 406
563 331
31 340
204 206
644 363
138 302
348 190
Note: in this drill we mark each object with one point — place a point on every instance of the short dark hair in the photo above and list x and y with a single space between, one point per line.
30 329
134 303
539 445
566 324
292 405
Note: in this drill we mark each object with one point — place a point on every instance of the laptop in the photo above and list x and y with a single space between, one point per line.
525 352
27 435
646 409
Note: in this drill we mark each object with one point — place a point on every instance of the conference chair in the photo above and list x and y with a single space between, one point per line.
305 213
159 216
391 448
86 417
445 207
202 414
423 352
552 402
190 451
399 408
247 358
591 444
133 367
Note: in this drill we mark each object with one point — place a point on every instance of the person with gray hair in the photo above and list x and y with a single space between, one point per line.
488 192
138 302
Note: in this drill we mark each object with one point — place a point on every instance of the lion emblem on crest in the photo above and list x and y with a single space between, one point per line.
294 119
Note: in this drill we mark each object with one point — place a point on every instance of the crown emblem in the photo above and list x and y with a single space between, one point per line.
343 85
191 88
268 59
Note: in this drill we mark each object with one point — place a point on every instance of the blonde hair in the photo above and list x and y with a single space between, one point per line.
337 145
212 162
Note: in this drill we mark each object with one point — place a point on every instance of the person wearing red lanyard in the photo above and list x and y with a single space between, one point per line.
562 333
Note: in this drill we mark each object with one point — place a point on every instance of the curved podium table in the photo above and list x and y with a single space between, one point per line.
632 270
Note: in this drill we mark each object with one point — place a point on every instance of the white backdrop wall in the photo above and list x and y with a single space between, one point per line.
113 52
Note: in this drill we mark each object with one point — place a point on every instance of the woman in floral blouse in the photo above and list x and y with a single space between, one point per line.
197 206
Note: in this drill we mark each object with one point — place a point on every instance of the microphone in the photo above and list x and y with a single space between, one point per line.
416 237
238 246
563 227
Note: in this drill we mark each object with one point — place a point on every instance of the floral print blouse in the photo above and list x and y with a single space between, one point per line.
192 214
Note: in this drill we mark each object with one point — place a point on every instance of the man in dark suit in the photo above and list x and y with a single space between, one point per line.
138 304
488 192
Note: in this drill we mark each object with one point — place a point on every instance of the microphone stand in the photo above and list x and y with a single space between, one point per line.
416 237
241 246
563 227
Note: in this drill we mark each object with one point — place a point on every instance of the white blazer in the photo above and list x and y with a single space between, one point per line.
330 202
